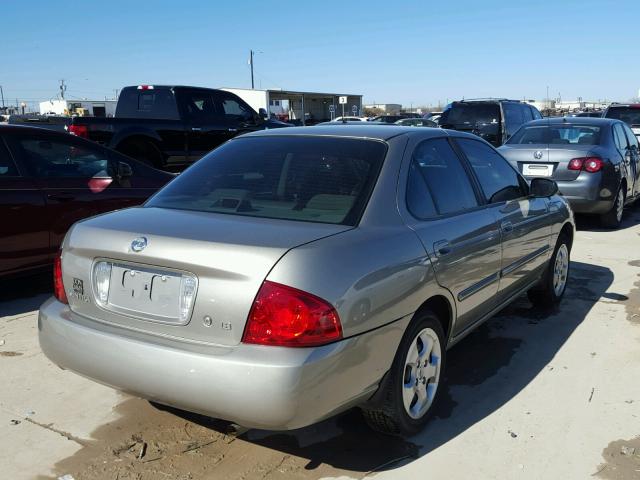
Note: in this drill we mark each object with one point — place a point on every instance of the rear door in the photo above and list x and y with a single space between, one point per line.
24 235
76 178
460 235
524 222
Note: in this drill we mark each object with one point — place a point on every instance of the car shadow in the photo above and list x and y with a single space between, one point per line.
22 295
630 218
485 371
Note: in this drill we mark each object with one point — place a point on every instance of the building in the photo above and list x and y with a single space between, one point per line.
389 108
303 107
95 108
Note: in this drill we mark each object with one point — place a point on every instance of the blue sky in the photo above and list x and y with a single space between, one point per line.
390 51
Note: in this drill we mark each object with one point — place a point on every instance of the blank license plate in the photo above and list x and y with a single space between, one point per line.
537 170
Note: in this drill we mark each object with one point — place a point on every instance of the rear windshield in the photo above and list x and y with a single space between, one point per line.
629 115
556 134
471 114
311 179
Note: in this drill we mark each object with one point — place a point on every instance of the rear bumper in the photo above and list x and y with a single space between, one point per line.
255 386
588 193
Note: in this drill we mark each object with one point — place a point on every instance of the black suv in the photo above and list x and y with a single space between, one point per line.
629 113
494 120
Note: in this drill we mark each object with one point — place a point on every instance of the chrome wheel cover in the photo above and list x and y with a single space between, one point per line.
560 270
421 373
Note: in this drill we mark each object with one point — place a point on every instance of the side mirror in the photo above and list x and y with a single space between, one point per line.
263 114
124 170
543 187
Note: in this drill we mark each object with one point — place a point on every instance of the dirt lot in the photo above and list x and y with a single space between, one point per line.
530 394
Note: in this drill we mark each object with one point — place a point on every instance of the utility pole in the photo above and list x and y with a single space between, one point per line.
2 95
251 63
63 88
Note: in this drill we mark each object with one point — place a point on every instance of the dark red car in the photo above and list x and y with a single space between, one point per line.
49 180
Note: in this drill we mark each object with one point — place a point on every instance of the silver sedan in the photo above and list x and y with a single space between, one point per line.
290 275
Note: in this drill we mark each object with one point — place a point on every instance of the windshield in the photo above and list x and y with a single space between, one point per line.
312 179
629 115
557 135
471 114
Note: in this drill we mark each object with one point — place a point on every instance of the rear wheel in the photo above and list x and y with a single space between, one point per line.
415 379
144 151
613 217
553 284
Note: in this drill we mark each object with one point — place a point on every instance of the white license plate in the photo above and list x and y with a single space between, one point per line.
537 170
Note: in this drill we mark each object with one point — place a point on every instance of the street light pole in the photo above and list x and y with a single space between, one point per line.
251 63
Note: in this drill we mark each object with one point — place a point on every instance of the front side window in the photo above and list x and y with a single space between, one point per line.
49 157
312 179
234 110
499 181
446 180
7 167
556 135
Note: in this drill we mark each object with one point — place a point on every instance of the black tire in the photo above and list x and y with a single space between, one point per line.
145 151
613 218
390 415
545 294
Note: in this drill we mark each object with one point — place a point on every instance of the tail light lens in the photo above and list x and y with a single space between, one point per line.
79 130
289 317
58 285
588 164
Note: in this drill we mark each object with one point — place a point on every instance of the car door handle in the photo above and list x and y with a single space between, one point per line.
60 197
232 129
196 129
442 247
506 227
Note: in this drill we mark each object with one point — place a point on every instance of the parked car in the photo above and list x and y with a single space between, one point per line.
494 120
350 119
595 162
252 288
628 113
416 122
596 114
48 181
392 118
168 126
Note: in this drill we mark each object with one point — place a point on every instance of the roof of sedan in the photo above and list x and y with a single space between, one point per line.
573 120
364 130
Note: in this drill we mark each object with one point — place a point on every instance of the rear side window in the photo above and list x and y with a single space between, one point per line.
620 137
53 157
536 113
311 179
631 138
499 181
154 103
556 135
513 116
437 180
7 167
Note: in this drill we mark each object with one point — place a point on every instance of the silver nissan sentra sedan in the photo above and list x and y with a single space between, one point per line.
290 275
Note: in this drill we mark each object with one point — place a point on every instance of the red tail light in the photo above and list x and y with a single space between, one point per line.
58 286
289 317
79 130
588 164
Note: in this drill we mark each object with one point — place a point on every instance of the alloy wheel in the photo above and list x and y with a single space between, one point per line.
421 373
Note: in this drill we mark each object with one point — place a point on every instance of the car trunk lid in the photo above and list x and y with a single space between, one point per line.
551 161
227 256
